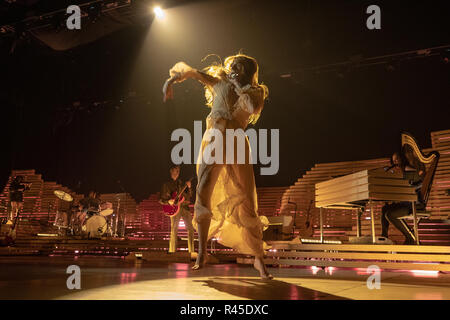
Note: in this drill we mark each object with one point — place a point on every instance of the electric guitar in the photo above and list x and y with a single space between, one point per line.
172 210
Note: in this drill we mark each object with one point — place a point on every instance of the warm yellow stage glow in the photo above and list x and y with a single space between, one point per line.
330 281
159 13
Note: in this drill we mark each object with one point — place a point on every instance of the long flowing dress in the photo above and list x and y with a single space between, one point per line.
226 192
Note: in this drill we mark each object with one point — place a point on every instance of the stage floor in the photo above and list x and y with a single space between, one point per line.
118 278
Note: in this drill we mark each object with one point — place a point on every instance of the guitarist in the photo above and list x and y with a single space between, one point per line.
171 187
16 190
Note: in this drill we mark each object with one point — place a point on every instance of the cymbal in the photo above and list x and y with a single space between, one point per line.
106 212
63 195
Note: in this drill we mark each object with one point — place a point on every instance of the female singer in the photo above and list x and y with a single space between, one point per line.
226 203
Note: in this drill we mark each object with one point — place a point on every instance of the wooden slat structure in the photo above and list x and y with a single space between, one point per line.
41 204
360 189
147 227
154 224
396 257
434 232
77 246
372 184
269 200
439 201
341 224
145 221
336 222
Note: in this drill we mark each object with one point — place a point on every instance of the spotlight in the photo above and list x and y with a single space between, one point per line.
159 13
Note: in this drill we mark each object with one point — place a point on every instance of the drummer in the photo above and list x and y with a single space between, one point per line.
90 204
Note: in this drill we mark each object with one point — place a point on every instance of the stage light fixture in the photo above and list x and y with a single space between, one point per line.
159 13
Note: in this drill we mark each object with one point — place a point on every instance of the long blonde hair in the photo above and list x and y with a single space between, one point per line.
220 70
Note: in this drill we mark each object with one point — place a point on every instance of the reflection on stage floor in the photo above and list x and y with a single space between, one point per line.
118 278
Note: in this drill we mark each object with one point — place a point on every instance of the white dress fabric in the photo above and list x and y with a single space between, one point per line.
226 193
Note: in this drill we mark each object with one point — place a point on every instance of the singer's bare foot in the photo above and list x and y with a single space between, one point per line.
200 262
259 265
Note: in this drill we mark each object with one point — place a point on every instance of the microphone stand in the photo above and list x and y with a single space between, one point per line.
114 226
295 215
124 216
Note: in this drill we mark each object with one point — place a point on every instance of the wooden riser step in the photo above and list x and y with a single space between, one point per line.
395 257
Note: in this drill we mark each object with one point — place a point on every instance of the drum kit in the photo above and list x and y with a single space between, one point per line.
91 222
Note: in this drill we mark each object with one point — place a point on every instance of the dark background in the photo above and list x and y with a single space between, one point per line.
119 129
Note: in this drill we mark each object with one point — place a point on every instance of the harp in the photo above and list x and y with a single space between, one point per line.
430 161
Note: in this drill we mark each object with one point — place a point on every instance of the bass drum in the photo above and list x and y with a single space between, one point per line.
95 226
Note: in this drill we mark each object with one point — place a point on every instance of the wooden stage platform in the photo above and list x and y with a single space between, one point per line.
152 250
41 277
281 253
390 257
